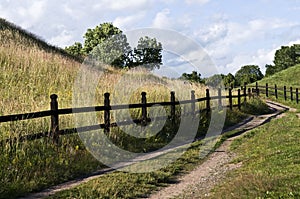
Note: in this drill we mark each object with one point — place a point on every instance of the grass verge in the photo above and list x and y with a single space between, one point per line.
271 162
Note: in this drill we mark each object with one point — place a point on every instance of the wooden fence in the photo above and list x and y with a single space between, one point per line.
285 92
55 112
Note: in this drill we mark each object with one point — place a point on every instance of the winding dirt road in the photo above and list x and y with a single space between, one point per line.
202 179
199 182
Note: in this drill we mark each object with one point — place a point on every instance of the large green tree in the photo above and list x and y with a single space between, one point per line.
148 53
94 37
109 45
114 51
248 74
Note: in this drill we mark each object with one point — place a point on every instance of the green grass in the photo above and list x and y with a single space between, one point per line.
288 78
270 162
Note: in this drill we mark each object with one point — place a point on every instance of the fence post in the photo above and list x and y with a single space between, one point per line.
284 92
297 95
107 112
193 103
249 93
276 92
291 90
173 108
230 99
54 118
220 98
239 99
144 109
257 89
245 92
207 101
267 90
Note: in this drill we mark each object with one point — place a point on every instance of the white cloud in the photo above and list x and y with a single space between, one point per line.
65 38
162 20
197 1
120 5
129 21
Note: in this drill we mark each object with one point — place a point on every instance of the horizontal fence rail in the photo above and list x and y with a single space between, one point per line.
55 112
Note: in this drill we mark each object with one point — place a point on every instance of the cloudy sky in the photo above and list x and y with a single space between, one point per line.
233 32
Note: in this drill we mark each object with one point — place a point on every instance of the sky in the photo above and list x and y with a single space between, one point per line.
233 33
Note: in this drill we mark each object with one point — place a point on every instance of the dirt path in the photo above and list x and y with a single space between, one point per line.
202 179
199 181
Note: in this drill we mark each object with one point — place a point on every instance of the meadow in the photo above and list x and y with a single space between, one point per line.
31 71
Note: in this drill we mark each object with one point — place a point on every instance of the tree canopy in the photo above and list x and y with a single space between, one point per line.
109 45
285 57
148 53
192 77
248 74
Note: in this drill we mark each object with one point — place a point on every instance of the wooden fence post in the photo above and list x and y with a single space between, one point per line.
193 104
257 89
54 118
230 99
291 91
249 93
276 92
173 108
267 90
219 98
297 95
107 112
144 109
239 99
207 101
284 92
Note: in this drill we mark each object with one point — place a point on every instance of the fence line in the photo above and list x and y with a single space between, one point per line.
55 112
275 91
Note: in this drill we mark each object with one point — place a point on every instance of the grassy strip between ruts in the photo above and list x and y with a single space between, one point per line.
270 156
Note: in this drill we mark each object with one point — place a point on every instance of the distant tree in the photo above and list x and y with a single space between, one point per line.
270 70
284 58
229 80
215 80
148 53
193 77
248 74
75 49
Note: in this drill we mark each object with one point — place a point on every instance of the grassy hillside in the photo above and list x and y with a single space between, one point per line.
288 77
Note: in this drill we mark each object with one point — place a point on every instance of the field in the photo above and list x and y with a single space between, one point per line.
31 71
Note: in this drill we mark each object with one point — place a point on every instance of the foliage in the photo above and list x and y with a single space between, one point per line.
285 57
75 49
96 36
109 45
148 53
113 51
229 80
215 80
248 74
193 77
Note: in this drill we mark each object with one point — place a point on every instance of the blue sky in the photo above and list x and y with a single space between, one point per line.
233 32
